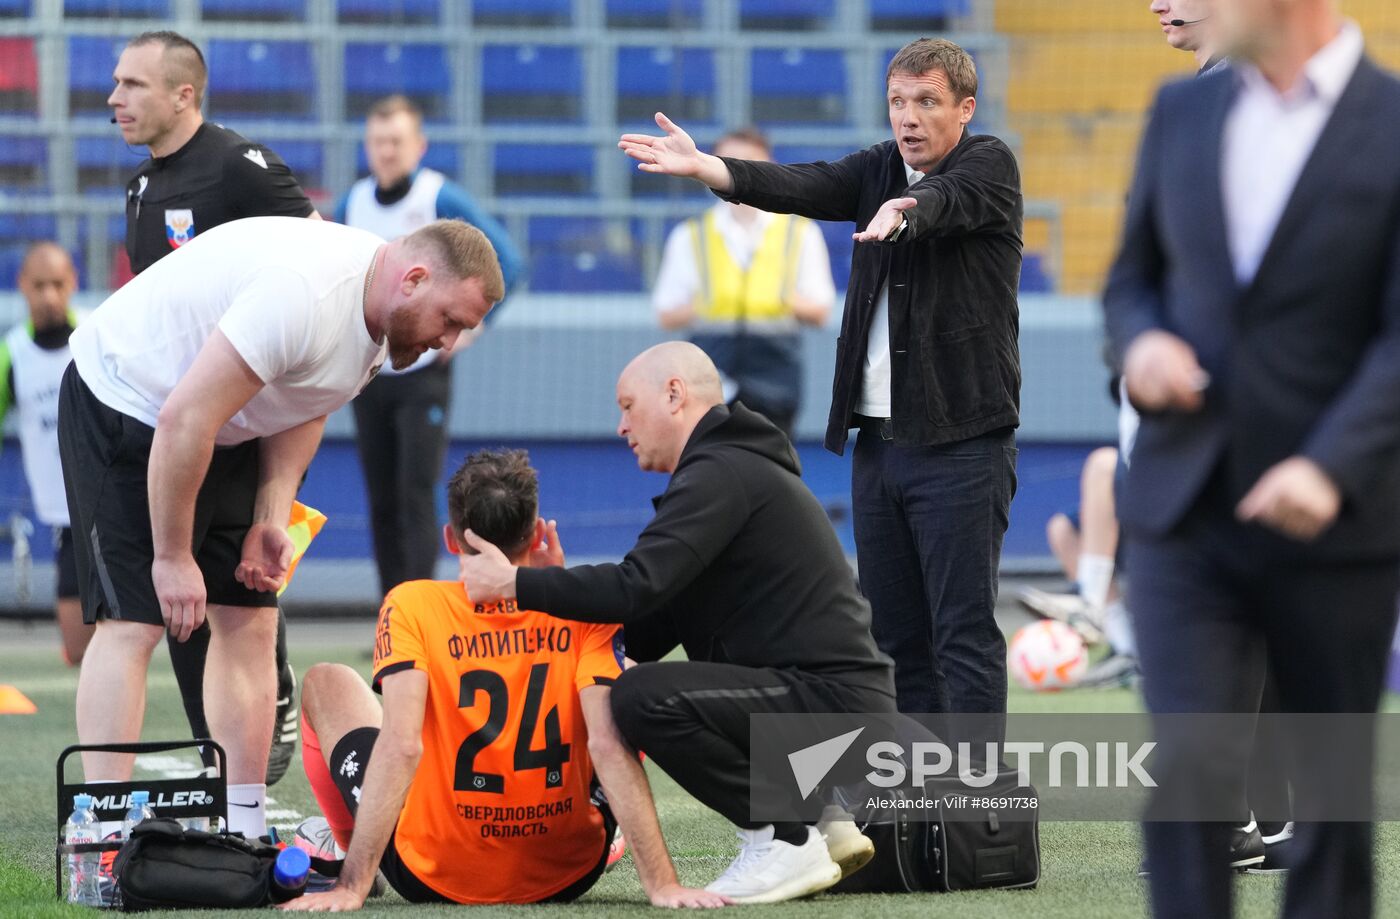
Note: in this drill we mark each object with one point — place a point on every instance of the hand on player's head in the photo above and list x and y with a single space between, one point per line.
484 570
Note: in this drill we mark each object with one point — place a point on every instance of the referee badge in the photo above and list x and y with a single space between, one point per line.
179 227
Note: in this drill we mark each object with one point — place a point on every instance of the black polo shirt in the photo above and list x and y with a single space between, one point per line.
216 177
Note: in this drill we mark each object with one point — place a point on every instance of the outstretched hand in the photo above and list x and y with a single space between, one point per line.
488 575
675 154
886 220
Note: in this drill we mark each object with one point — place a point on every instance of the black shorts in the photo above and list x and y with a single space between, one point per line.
105 457
65 564
347 765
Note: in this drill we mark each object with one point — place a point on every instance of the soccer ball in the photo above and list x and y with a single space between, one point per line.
1047 655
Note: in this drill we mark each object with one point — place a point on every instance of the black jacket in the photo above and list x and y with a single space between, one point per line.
740 565
1305 359
953 276
217 176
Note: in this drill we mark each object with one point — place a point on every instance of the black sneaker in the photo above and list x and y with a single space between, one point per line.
1278 852
1246 847
285 728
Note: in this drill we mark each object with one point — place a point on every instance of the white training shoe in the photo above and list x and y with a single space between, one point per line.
314 837
1069 608
848 847
768 870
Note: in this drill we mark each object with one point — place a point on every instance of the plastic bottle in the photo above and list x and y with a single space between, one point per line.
140 810
82 827
289 873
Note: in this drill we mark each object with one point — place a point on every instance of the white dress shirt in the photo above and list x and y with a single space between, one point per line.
1268 138
875 381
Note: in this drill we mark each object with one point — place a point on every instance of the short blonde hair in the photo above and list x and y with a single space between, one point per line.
463 251
925 54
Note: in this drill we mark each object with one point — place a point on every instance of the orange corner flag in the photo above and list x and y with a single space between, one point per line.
14 702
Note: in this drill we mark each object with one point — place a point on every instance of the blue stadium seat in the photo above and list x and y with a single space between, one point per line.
441 156
786 15
261 79
915 16
420 71
306 160
552 171
14 8
796 86
1034 278
397 12
17 233
106 164
655 14
24 164
91 60
584 254
809 153
522 12
522 83
90 9
680 83
253 10
839 245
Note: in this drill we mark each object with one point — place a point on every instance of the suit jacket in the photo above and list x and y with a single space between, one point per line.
1305 359
955 367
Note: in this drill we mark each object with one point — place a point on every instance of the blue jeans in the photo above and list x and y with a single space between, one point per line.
929 523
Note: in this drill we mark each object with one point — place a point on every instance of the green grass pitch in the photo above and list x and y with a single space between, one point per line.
1088 869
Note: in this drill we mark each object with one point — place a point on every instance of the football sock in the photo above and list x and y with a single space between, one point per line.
323 786
247 810
1095 579
791 833
187 660
1118 629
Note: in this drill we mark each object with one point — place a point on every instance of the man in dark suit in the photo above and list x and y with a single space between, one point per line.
1256 306
927 365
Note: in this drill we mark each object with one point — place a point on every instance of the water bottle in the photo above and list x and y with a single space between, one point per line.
82 827
140 810
289 874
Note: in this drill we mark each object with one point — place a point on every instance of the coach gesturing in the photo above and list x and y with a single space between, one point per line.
927 365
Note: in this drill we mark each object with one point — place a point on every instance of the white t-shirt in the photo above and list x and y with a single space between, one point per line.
287 293
678 280
875 381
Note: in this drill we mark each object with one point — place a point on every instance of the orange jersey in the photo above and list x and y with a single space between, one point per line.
499 807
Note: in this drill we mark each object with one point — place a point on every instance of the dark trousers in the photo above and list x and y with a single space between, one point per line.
1216 602
401 432
929 523
692 719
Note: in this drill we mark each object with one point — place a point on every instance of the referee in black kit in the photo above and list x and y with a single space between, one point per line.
198 176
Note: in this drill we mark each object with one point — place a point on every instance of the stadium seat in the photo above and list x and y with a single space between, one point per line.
680 83
261 79
522 12
808 153
839 246
91 60
306 160
786 15
19 77
24 164
655 14
17 233
420 71
396 12
105 164
440 156
16 9
915 16
253 10
104 9
796 86
531 83
551 171
1034 279
584 254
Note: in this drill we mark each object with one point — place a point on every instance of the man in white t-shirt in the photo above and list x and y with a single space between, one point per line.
743 282
195 402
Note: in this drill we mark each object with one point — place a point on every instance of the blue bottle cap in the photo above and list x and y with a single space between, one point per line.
82 802
291 867
140 797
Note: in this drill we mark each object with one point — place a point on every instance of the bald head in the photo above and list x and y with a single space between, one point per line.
663 393
683 361
47 280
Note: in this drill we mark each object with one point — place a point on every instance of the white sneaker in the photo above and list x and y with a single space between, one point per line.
768 870
1069 608
314 837
847 846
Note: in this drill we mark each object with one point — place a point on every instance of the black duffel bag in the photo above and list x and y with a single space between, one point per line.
935 850
165 866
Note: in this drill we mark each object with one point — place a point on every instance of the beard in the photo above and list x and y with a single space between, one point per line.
402 354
